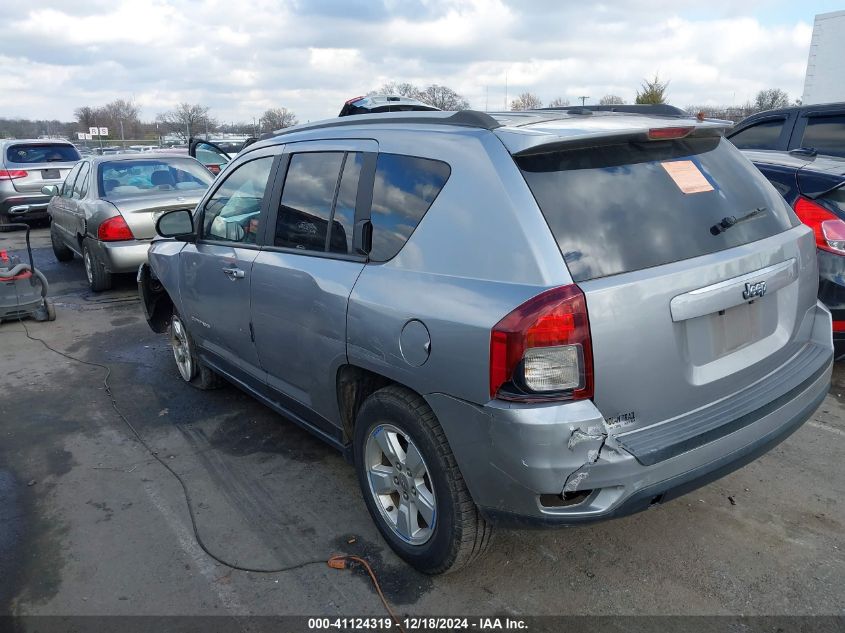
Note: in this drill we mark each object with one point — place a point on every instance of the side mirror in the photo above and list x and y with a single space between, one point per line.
178 224
50 190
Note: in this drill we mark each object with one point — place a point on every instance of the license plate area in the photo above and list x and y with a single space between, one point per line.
713 336
50 174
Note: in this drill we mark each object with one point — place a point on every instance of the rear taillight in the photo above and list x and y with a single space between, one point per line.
827 227
114 230
667 133
542 350
214 169
12 174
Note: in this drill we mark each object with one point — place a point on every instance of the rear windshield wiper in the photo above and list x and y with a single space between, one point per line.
727 222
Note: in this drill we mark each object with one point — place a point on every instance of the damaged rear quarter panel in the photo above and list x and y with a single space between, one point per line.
511 453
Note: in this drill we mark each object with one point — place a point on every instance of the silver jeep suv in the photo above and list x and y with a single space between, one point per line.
536 318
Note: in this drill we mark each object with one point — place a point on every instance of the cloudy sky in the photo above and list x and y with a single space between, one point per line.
242 57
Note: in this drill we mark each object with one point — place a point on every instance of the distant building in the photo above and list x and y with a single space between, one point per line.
825 80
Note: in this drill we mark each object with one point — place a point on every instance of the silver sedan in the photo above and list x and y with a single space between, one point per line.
106 209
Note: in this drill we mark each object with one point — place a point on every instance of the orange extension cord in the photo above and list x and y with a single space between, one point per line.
339 561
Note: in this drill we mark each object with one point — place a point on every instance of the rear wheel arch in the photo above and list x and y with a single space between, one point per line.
354 385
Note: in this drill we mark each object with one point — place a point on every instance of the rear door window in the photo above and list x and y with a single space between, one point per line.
616 208
67 185
825 134
25 153
307 200
81 182
763 135
404 189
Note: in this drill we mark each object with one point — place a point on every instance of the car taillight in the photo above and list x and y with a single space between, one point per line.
12 174
542 350
214 169
666 133
114 230
827 227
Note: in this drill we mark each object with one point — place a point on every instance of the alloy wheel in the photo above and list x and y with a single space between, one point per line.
181 349
400 484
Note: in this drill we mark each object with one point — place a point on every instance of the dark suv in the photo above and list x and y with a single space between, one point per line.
812 127
814 186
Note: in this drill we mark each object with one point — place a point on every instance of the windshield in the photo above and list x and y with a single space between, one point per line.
42 153
625 207
145 177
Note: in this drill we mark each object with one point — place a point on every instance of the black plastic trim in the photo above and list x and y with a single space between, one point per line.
463 118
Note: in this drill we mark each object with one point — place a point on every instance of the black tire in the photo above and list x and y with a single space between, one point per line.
193 370
4 219
99 278
460 534
60 250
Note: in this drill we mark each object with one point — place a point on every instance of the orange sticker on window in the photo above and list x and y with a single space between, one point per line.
687 176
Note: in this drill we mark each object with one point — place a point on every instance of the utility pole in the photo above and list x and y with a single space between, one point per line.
583 99
122 137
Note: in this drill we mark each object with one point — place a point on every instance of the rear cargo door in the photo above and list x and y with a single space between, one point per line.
39 164
696 273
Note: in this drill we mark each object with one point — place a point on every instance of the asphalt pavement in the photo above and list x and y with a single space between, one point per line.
91 524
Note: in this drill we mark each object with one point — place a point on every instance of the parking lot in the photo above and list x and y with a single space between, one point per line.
94 525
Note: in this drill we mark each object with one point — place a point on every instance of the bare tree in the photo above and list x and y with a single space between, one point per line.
86 116
442 97
558 102
277 119
121 117
653 92
526 101
611 100
770 99
186 119
402 89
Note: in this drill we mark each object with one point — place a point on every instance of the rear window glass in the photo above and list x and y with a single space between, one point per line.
144 177
826 135
42 153
404 189
616 208
763 135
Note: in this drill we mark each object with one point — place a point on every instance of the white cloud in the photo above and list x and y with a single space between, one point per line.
243 57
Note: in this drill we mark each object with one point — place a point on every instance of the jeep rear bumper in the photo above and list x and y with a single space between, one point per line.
558 465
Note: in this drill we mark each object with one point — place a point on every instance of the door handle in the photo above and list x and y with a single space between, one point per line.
234 273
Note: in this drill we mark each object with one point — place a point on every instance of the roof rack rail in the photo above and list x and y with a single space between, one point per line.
461 118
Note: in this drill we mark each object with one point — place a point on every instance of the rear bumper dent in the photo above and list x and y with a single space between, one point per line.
510 455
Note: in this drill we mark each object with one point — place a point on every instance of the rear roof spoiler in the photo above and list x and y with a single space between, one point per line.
530 145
